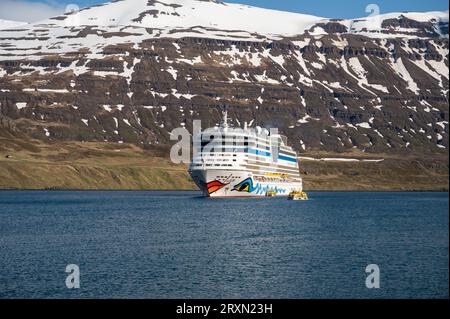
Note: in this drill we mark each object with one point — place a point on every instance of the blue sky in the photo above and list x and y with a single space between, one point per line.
16 9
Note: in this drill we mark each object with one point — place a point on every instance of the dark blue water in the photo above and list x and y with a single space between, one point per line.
178 245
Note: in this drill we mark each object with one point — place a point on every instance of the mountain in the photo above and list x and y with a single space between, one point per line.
130 71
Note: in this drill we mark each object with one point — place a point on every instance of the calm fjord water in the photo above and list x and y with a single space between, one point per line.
179 245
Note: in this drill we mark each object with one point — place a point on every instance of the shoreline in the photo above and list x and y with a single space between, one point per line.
198 191
99 167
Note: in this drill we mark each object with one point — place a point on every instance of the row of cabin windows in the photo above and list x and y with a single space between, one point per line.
222 149
215 165
226 142
219 155
219 160
228 165
234 143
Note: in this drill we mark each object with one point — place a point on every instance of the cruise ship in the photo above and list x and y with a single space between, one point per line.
244 162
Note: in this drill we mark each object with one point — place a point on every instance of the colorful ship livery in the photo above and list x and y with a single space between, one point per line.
246 162
214 186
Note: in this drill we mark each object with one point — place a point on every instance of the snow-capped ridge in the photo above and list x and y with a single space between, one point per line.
185 14
385 25
175 15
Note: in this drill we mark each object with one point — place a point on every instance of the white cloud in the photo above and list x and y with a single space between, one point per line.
27 11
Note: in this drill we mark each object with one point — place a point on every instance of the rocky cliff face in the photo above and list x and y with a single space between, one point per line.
131 71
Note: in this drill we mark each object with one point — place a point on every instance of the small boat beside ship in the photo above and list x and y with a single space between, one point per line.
244 162
271 193
295 195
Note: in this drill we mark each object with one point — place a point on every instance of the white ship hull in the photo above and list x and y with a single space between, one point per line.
233 183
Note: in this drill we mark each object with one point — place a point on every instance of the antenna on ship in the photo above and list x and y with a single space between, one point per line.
225 116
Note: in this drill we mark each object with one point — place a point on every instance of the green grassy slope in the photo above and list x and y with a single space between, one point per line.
74 165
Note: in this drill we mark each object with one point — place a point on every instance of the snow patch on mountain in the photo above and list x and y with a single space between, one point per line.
7 24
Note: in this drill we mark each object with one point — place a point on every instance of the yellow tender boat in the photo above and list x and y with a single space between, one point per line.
271 193
298 195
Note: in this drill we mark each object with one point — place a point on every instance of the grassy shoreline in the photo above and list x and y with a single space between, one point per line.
109 166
